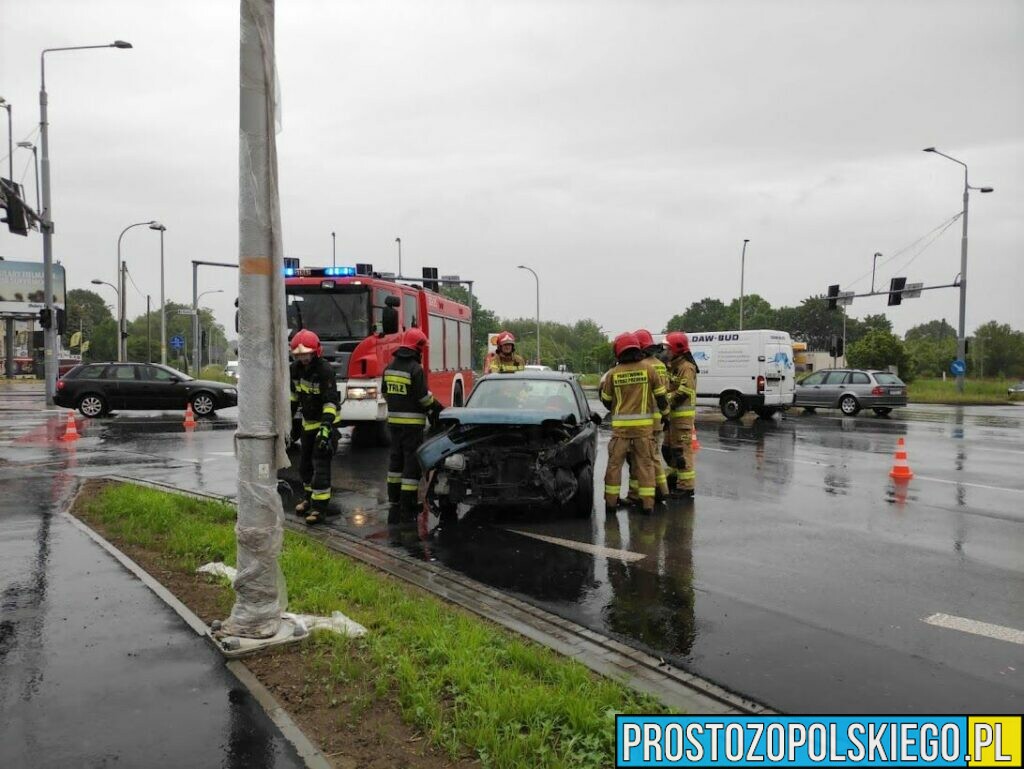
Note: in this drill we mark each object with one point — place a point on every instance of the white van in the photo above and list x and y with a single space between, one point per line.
743 371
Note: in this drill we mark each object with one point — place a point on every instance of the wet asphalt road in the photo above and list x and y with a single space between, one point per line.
800 576
95 670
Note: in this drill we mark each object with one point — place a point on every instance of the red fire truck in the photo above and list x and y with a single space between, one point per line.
360 320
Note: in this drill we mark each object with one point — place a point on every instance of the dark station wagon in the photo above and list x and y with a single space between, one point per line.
97 388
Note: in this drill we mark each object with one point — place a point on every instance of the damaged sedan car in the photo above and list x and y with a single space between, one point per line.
522 439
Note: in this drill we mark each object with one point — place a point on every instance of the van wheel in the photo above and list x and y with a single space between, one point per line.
849 406
732 406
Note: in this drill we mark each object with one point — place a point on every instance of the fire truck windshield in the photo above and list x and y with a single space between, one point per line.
335 314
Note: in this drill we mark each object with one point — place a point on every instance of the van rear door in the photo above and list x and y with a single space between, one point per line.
778 373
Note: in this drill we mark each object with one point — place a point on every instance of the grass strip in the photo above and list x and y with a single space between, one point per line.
468 686
988 392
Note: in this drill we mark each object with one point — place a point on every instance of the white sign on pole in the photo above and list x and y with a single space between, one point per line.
844 298
185 311
912 290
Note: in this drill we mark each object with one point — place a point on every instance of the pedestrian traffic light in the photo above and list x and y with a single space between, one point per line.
45 318
833 293
16 218
840 346
896 291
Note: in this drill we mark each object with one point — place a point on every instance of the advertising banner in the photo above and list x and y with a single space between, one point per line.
21 287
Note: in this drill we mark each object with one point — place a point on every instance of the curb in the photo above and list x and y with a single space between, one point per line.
674 687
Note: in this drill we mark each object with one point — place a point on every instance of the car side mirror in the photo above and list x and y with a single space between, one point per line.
595 418
389 317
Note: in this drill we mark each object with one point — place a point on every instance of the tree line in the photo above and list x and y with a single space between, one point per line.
88 312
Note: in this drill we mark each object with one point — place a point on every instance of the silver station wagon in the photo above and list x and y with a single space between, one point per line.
851 390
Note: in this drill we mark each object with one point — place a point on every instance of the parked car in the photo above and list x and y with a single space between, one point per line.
521 439
97 388
851 390
1014 390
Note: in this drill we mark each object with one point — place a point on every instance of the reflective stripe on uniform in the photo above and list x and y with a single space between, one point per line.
410 484
319 495
610 490
394 375
683 413
633 484
427 399
646 491
632 420
330 408
308 426
407 418
687 475
394 477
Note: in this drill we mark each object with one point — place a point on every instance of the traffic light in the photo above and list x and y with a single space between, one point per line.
896 291
430 278
17 221
45 318
833 293
62 322
840 346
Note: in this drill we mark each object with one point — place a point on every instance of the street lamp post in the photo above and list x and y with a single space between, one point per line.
50 334
35 163
117 294
961 337
743 269
334 251
163 312
399 242
524 267
10 137
122 309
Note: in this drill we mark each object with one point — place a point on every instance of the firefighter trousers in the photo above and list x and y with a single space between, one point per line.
639 450
660 477
403 467
315 471
683 471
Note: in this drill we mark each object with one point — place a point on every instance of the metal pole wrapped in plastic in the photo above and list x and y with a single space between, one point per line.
263 411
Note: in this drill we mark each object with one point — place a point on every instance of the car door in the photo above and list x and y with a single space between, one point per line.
163 391
808 390
859 384
122 386
833 387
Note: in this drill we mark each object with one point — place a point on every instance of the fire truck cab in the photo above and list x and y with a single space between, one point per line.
360 320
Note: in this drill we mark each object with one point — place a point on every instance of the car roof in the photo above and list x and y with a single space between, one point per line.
563 376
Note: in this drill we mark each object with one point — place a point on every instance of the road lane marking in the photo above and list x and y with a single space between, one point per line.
964 625
972 485
586 547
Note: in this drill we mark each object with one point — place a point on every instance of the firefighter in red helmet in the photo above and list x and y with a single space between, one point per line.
682 393
626 391
410 405
314 393
651 350
506 360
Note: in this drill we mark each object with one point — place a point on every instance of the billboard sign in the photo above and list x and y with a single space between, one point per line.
21 287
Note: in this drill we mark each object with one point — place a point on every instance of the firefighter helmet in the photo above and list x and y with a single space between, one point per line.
506 337
643 336
305 341
626 341
678 342
415 340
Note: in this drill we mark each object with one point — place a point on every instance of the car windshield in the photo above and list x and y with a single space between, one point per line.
336 314
519 393
884 377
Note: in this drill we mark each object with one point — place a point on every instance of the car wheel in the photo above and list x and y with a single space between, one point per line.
882 412
849 406
732 406
582 503
202 404
92 405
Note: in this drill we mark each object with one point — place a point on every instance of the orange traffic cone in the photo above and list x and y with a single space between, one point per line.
694 443
900 469
70 430
190 418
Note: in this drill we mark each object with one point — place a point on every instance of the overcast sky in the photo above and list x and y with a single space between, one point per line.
624 149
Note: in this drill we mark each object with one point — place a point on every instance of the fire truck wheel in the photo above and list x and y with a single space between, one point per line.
369 434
